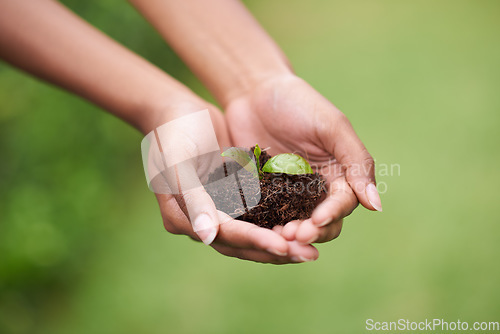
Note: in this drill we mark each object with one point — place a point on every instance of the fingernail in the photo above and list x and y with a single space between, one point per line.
276 252
326 222
205 228
299 259
373 197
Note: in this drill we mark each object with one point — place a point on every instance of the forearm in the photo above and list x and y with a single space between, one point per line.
45 39
219 40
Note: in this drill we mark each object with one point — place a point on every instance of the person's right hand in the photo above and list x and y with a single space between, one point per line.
286 114
187 208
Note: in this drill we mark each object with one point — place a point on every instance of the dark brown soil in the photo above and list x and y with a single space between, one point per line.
283 197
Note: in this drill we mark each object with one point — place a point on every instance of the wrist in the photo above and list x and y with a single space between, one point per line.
248 79
156 103
164 110
264 83
160 110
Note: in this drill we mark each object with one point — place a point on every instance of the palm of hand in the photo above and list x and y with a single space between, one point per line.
288 115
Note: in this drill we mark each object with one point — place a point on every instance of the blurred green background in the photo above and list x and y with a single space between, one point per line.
82 246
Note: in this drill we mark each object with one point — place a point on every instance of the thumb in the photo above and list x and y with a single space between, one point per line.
175 153
202 214
196 204
357 163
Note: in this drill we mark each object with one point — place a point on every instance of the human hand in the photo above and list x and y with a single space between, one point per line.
288 115
134 90
178 175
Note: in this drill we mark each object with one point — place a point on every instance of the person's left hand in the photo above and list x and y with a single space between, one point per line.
179 154
288 115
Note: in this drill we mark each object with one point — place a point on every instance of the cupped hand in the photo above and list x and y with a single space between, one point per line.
287 115
177 167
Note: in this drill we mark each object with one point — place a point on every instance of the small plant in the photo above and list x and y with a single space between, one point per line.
287 189
287 163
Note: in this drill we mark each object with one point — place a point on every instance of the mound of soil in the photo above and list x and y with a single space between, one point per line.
283 197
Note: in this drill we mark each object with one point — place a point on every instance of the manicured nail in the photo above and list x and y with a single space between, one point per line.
326 222
373 197
299 259
276 252
205 228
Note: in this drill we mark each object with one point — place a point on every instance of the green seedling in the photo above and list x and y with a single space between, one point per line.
256 152
287 163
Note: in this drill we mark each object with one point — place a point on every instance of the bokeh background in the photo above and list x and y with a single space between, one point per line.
82 246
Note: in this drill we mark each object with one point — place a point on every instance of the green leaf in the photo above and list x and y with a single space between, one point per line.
242 158
256 152
287 163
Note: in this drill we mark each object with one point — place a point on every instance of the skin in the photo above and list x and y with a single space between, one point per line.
319 132
266 103
247 73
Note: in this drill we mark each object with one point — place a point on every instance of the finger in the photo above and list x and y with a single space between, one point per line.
183 180
180 143
330 232
174 219
299 253
278 229
357 162
258 238
247 243
250 254
233 233
289 230
340 202
202 213
308 233
240 234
